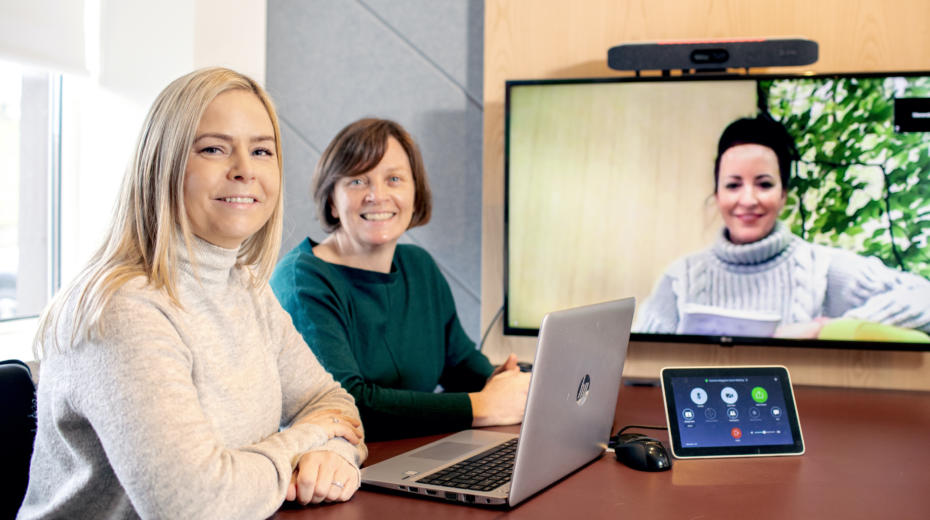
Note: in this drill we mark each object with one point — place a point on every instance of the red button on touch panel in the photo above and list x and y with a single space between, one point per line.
736 433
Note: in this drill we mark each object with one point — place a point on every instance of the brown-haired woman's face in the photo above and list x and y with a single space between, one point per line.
749 192
232 181
374 208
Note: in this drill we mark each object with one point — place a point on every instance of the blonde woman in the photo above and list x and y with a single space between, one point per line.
168 367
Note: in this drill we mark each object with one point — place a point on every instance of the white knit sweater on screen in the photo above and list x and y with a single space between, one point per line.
784 275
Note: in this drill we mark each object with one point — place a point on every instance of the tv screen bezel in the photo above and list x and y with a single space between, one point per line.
721 340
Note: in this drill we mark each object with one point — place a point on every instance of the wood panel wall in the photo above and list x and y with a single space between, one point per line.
529 39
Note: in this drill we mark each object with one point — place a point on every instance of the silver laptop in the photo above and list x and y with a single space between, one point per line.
567 422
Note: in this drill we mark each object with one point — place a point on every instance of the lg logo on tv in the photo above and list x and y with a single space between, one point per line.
584 388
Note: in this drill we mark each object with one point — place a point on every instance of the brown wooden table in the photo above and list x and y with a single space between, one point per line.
868 456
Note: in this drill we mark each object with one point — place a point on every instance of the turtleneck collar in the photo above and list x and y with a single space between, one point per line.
214 264
757 252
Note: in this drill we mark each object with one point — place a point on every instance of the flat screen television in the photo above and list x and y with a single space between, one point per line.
609 181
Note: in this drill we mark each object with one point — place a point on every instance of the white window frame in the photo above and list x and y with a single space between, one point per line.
38 273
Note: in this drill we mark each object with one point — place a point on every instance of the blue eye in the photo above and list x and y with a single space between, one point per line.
264 151
211 150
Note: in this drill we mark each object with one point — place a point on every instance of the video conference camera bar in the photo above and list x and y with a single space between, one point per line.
712 55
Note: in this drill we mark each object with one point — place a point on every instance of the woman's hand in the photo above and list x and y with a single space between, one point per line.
336 424
322 476
509 364
503 398
806 330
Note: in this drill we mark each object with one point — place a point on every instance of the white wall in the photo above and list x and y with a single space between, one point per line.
134 49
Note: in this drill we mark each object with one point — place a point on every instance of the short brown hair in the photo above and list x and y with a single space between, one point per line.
358 148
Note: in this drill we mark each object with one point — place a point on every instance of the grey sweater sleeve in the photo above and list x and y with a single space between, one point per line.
136 389
865 288
176 411
164 451
659 313
307 387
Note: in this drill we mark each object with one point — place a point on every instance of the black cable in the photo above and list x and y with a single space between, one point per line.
613 440
490 325
625 428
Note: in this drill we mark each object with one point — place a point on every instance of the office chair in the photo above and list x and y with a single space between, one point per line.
17 433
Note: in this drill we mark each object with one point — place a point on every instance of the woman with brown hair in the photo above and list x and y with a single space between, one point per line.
379 315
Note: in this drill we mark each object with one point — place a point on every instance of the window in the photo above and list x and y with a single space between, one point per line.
30 103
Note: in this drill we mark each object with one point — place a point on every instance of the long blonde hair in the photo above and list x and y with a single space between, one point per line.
150 212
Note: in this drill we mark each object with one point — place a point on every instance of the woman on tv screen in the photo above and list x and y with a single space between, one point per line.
759 279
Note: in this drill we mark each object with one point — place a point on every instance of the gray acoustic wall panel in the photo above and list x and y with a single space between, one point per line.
418 62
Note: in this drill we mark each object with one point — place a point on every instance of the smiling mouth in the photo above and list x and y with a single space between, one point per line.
239 200
377 217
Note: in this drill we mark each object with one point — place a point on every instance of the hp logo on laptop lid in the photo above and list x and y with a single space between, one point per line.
584 388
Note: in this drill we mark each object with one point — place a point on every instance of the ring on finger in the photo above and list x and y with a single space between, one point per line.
338 484
335 420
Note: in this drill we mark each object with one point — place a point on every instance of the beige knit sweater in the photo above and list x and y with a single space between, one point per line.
175 412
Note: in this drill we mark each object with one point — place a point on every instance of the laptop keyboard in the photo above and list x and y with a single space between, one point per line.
483 472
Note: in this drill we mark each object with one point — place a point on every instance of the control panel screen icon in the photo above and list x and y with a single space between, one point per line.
729 395
698 395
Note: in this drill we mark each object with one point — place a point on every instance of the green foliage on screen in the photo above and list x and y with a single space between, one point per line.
858 184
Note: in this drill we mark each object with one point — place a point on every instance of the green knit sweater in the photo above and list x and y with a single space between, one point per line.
389 338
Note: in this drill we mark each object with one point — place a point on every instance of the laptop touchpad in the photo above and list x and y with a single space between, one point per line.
446 450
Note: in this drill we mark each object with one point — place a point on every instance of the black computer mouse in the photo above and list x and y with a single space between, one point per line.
641 452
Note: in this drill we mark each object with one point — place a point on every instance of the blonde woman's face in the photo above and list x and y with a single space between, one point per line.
232 180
